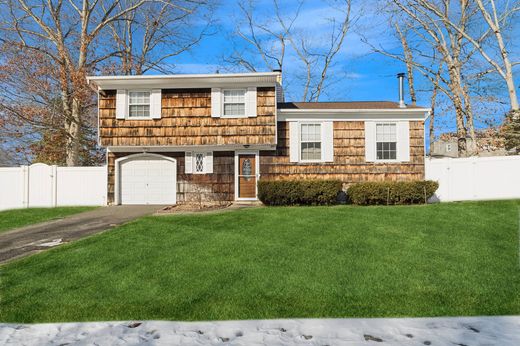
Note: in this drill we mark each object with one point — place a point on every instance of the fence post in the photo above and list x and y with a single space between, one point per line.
25 187
473 178
54 185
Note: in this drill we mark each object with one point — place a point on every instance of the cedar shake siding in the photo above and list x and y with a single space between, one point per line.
217 186
349 164
186 120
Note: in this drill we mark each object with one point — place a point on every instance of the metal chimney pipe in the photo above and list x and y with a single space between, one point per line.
400 77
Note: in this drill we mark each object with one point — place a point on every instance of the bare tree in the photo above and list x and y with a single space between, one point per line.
274 38
498 56
73 35
439 36
433 103
263 38
144 40
409 61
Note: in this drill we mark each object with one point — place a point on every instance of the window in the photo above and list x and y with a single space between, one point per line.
386 142
310 142
139 104
235 103
199 163
448 147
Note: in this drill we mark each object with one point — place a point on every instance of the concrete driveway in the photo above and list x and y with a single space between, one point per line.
30 239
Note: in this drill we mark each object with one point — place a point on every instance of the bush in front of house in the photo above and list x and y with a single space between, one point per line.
299 192
392 192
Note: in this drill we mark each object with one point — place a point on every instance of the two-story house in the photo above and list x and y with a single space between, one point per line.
175 138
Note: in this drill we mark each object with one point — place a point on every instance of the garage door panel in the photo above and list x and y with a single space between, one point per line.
148 180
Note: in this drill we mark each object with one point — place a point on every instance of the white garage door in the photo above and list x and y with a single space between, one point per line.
148 180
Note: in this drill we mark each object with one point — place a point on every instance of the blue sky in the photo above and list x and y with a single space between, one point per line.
360 74
368 76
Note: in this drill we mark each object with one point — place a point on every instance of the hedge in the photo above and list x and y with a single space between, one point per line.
299 192
392 192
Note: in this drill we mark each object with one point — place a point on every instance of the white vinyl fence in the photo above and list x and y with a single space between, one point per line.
475 178
40 185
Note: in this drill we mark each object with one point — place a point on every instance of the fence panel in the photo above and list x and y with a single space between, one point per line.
81 186
475 178
12 188
40 185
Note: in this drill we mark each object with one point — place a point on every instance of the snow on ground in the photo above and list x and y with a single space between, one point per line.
469 331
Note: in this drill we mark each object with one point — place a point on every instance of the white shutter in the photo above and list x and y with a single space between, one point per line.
188 162
216 102
251 102
155 104
208 164
370 141
294 142
403 141
121 104
327 141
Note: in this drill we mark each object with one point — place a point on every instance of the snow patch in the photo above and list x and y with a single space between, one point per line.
52 243
497 330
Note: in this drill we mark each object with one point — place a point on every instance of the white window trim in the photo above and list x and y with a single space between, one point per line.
207 162
396 142
149 91
223 103
300 141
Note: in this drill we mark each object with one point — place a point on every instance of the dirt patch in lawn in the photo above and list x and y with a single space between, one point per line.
193 208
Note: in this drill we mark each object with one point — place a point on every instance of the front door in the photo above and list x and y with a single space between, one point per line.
246 176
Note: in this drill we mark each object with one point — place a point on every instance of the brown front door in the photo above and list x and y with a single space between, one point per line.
246 176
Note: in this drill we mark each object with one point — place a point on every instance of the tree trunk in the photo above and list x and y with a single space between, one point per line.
408 57
432 116
469 121
74 135
461 129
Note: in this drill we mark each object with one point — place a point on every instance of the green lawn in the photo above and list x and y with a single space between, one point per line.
15 218
344 261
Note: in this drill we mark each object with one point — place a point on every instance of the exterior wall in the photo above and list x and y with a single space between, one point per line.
186 120
218 186
440 148
349 164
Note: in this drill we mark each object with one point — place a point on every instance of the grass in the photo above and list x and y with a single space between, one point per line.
15 218
344 261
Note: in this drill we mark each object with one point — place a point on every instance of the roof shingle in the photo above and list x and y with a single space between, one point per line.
345 105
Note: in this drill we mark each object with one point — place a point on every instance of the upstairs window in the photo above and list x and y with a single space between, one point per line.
310 142
139 104
234 103
386 142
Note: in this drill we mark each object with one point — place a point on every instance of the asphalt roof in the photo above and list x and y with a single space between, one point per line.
345 105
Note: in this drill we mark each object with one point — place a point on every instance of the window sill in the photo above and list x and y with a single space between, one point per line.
235 116
312 161
387 161
138 118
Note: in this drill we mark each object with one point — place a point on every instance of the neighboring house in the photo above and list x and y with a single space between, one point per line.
489 142
179 138
447 148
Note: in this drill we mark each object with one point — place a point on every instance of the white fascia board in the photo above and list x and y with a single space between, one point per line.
185 80
160 148
352 114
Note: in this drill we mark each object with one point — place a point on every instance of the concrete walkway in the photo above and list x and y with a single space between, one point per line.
34 238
